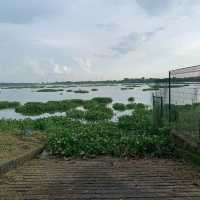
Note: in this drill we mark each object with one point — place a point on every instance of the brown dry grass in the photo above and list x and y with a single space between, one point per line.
13 145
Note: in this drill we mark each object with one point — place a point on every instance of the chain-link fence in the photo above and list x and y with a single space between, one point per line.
181 101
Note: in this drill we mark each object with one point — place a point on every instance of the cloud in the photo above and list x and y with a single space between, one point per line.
85 64
107 27
23 11
155 7
87 39
59 69
133 41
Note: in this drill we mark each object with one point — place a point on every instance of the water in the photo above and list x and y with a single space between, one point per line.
30 95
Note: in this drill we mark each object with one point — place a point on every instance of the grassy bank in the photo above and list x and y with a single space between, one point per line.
13 144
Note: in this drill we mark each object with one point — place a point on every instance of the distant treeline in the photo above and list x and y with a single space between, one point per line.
125 80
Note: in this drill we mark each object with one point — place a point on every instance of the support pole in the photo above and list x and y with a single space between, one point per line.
169 97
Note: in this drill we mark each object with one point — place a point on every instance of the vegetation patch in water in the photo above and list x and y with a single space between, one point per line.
7 104
131 99
119 106
127 88
130 106
94 89
81 91
133 135
50 90
38 108
150 89
103 100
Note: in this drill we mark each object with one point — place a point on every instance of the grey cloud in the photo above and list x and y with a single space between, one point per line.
107 27
127 43
25 11
154 7
133 41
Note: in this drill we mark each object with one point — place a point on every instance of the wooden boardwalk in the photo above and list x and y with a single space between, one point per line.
102 178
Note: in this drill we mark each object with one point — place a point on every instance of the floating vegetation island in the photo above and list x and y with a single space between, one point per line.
50 90
81 91
94 89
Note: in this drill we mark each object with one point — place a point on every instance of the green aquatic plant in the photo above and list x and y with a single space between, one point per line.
94 89
81 91
38 108
130 106
103 100
90 132
119 106
7 104
131 99
140 120
50 90
106 138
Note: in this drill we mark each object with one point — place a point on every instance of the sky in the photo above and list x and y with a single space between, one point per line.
72 40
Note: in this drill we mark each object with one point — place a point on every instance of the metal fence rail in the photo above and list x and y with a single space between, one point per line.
181 102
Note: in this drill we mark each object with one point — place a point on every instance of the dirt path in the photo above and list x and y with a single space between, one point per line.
103 178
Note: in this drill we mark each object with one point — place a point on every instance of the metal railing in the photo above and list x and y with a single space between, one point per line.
181 102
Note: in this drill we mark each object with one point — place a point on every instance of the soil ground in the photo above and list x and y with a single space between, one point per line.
101 178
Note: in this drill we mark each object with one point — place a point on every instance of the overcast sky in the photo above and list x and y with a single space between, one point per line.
56 40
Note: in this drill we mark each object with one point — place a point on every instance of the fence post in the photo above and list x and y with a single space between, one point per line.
169 97
199 132
161 106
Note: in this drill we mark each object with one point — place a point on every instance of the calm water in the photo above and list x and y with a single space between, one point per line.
30 95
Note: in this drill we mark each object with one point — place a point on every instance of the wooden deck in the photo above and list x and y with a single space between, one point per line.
102 178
